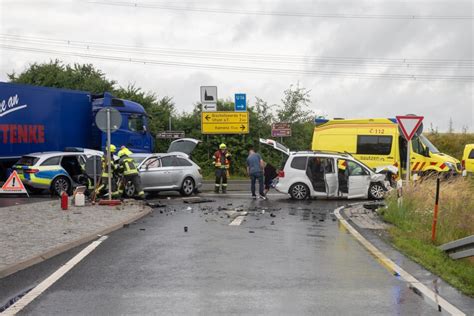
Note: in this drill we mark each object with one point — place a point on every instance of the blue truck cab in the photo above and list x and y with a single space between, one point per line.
39 119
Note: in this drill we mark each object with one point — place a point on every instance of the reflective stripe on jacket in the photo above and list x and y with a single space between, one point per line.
221 159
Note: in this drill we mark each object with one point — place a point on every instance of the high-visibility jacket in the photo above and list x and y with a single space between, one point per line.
221 159
105 168
127 166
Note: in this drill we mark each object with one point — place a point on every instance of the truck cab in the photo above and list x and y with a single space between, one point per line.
133 133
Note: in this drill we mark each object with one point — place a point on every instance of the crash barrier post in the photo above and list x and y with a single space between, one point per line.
435 215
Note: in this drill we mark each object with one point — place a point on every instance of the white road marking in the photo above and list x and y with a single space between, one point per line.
241 194
237 221
411 280
43 286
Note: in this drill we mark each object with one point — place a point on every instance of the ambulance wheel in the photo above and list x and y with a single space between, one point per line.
129 189
188 187
376 191
299 191
59 185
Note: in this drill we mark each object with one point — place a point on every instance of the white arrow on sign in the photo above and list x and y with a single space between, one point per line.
209 107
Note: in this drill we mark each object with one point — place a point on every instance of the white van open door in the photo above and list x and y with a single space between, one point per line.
276 145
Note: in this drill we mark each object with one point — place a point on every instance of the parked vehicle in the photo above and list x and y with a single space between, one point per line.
468 159
41 119
327 174
171 171
54 171
378 142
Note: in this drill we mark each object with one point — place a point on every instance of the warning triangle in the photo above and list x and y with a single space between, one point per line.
409 125
14 184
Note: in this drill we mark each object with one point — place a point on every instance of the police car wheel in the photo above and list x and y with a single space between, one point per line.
299 191
129 189
61 184
376 191
188 187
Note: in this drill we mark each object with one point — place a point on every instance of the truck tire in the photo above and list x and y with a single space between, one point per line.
376 191
299 191
188 186
61 184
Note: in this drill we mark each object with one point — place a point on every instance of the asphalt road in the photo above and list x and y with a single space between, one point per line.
292 260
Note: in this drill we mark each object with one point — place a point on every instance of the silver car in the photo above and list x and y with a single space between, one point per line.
171 171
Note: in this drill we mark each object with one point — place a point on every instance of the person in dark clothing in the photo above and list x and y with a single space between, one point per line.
315 172
270 173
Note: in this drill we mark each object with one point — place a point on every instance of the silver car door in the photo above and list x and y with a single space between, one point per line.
359 180
330 176
152 174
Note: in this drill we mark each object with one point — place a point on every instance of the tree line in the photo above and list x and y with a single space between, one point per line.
293 108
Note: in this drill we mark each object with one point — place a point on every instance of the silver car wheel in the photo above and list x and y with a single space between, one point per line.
129 189
188 186
377 191
299 191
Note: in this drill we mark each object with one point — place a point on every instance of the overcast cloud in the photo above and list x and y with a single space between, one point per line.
418 40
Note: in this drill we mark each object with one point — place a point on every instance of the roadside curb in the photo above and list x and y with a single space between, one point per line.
15 267
397 270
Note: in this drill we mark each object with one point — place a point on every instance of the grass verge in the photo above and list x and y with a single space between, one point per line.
412 220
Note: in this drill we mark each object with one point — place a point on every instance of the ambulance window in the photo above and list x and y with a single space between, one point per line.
417 146
374 145
53 161
299 163
471 154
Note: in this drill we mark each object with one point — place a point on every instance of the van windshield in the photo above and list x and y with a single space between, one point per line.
428 144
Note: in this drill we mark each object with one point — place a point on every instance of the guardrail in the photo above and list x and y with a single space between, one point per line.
461 248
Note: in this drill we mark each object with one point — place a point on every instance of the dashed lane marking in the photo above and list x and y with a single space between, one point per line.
237 221
394 268
43 286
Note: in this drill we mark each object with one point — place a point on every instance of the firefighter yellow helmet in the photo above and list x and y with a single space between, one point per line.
124 151
112 148
222 146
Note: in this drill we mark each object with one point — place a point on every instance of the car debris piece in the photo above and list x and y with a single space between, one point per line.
185 229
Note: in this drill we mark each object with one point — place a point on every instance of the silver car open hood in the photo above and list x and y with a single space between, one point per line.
183 145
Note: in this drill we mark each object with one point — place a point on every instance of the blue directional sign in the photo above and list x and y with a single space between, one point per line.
240 102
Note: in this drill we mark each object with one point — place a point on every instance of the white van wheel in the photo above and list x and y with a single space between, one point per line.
299 191
376 191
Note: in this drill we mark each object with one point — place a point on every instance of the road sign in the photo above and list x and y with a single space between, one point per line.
240 102
409 125
208 94
13 185
115 119
209 107
281 130
170 135
225 122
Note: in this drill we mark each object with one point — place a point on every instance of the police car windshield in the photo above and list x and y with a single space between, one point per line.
27 161
428 144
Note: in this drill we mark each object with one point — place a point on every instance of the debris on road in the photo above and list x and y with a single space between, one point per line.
196 200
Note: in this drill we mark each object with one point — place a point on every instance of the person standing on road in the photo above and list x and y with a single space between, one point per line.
221 161
104 181
269 173
129 172
255 172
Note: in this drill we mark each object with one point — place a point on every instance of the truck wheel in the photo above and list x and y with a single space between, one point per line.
299 191
376 191
59 185
129 189
188 187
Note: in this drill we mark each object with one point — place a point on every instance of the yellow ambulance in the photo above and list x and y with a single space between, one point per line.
378 143
468 158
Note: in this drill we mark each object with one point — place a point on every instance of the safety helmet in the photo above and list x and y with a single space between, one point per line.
112 148
124 151
222 146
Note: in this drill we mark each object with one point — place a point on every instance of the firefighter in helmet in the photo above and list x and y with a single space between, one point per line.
128 172
104 181
221 161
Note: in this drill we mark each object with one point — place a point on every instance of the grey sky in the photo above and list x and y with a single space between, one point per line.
139 28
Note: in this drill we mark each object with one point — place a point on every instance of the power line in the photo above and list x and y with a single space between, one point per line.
286 14
246 57
282 71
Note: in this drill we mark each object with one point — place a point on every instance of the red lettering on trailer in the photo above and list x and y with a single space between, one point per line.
22 134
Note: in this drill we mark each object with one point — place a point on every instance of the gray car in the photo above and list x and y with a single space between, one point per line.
171 171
